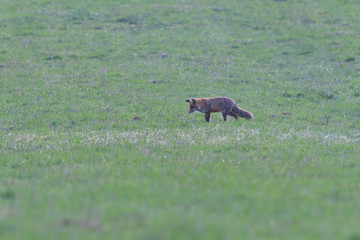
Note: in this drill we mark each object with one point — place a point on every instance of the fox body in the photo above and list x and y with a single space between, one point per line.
224 105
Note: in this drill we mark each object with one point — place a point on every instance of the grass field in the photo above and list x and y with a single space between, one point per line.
96 140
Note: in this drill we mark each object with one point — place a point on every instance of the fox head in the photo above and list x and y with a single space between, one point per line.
192 105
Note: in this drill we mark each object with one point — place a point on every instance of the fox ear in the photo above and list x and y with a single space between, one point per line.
193 101
187 100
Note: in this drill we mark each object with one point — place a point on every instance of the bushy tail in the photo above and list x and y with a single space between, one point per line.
242 113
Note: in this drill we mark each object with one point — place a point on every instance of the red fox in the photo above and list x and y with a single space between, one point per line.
224 105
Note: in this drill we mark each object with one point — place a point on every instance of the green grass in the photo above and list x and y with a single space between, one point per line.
96 140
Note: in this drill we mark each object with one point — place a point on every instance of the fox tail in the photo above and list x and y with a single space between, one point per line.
242 113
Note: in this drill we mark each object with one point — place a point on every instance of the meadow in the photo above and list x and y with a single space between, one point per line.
96 140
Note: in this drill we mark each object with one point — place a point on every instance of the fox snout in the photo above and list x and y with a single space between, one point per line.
191 102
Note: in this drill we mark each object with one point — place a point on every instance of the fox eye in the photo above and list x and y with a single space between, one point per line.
193 101
187 100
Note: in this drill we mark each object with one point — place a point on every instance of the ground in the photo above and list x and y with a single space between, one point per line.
96 140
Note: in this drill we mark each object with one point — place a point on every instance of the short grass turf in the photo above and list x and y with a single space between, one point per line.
96 140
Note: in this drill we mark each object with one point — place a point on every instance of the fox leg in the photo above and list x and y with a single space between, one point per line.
207 116
233 115
224 116
225 112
